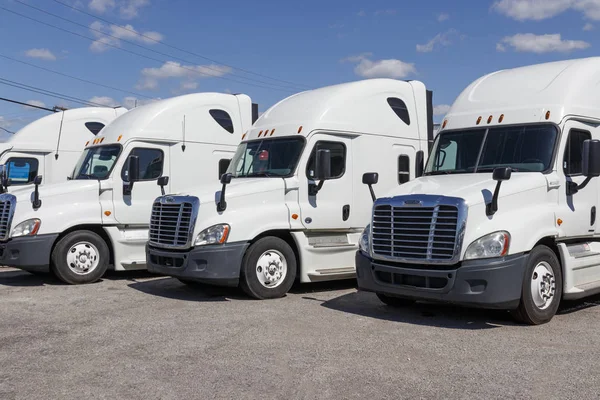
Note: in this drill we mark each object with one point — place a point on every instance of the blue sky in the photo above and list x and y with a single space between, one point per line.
308 43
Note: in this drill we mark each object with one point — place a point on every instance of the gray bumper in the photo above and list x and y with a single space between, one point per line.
217 265
493 283
28 253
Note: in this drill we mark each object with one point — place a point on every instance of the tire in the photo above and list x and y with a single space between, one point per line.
543 272
76 251
396 302
275 254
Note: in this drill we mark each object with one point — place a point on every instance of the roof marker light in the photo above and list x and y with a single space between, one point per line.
300 129
272 132
478 120
501 118
243 136
445 123
119 138
260 133
88 142
101 140
547 115
490 119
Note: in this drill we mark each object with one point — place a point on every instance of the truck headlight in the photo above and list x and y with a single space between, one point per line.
216 234
27 228
493 245
364 243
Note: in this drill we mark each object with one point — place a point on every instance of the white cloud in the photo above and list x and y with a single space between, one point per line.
36 103
441 109
537 10
126 32
361 13
440 40
101 6
171 69
132 102
530 43
42 54
443 17
385 12
128 9
588 27
390 68
104 100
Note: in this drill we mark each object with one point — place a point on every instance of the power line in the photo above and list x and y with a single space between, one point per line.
74 77
274 86
27 104
50 93
6 130
177 48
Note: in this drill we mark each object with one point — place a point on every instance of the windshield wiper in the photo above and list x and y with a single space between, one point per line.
86 176
267 174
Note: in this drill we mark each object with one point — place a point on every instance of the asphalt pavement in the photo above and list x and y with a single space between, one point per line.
138 336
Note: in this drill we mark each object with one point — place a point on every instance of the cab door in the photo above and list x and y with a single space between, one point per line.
134 208
578 211
331 208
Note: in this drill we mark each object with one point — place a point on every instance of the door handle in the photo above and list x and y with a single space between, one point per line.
346 212
593 216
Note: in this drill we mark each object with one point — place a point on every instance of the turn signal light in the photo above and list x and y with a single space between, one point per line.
294 216
107 213
559 222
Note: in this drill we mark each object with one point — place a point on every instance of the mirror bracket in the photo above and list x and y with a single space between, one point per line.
573 187
500 175
314 188
36 202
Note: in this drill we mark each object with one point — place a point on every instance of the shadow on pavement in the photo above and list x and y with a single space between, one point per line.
438 315
13 277
568 307
320 287
172 288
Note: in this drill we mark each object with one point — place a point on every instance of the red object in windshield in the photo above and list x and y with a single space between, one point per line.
264 155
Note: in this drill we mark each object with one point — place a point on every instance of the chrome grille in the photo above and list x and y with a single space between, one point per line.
172 222
7 210
415 233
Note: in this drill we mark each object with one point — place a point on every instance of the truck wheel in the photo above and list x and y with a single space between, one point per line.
268 268
542 287
396 302
80 257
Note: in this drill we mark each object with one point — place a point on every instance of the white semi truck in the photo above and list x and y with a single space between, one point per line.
51 145
292 204
505 215
75 229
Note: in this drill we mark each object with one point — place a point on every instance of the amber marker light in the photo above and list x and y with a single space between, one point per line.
225 234
119 138
547 115
107 213
260 133
490 119
501 118
300 129
272 132
559 222
445 123
243 136
294 216
478 120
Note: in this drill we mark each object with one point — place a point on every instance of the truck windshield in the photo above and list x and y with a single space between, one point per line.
266 158
97 162
526 148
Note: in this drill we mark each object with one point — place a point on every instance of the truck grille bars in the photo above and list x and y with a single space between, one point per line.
172 221
426 229
7 210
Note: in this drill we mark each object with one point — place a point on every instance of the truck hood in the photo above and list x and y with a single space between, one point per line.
239 187
474 188
69 190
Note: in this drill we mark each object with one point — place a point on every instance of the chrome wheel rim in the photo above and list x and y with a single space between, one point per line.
271 269
543 285
83 258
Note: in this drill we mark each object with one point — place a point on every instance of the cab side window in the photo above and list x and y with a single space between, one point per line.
21 170
338 159
151 164
403 169
573 159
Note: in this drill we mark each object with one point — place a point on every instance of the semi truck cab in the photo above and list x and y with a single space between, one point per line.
505 215
75 229
292 204
51 145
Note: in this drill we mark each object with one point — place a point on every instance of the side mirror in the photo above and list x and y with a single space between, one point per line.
370 179
36 202
222 204
502 174
590 166
162 182
133 174
226 179
591 158
323 166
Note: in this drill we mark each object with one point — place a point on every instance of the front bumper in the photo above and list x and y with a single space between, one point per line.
29 253
217 265
492 283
